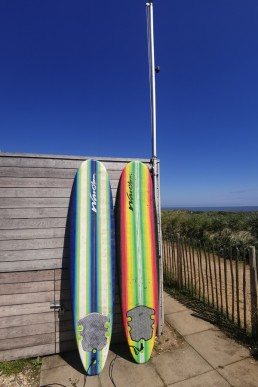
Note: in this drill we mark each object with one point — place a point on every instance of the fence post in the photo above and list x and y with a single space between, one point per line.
253 288
179 261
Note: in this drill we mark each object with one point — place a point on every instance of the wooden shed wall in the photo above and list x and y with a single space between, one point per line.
34 199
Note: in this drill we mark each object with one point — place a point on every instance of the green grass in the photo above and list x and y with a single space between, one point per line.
239 229
17 366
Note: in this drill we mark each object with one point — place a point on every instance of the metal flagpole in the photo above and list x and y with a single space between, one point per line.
155 163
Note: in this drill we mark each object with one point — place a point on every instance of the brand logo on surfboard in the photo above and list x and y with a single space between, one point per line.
130 193
93 194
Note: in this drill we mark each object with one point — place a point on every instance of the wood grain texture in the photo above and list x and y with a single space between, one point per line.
57 164
23 224
36 350
41 183
34 197
26 330
28 213
28 298
12 310
35 192
32 255
44 264
27 341
32 233
27 287
34 202
27 276
17 321
35 244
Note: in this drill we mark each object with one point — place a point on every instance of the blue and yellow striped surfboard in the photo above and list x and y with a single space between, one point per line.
92 264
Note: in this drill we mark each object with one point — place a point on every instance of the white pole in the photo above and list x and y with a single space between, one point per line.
150 32
156 185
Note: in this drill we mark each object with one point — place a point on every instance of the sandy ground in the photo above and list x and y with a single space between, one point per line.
225 285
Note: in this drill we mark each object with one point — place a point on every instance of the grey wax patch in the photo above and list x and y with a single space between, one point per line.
94 331
140 322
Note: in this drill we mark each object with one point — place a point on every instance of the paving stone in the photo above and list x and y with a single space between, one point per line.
216 348
52 361
67 376
125 372
179 365
172 306
186 324
242 373
209 379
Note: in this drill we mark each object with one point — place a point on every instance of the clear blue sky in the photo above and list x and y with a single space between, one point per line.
74 80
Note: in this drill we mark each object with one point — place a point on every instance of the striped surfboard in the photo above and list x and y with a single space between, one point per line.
92 264
138 259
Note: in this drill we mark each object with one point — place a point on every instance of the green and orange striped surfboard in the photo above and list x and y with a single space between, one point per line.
137 253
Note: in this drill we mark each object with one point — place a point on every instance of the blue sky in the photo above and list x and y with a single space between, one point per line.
74 80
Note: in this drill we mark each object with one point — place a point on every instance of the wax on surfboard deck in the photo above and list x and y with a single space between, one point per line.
92 263
137 252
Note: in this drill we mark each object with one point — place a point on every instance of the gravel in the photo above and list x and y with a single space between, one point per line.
29 377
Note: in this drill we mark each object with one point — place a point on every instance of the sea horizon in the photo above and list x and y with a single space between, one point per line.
213 208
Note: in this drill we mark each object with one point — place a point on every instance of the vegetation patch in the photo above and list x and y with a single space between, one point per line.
237 229
22 372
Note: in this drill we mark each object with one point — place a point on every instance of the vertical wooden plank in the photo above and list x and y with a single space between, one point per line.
194 268
201 270
220 281
232 285
226 280
215 276
179 262
211 279
244 287
173 278
191 265
206 273
183 261
237 288
187 264
172 260
164 262
253 288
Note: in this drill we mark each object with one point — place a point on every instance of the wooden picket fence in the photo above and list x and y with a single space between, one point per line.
224 278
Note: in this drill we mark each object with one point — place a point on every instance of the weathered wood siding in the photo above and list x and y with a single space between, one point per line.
34 200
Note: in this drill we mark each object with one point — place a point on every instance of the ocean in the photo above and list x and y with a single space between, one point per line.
204 209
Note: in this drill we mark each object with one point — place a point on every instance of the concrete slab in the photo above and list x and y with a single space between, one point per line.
66 376
65 370
187 324
216 348
53 361
172 306
180 364
168 341
125 372
242 373
209 379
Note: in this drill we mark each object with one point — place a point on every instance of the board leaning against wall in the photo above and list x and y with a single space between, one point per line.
35 312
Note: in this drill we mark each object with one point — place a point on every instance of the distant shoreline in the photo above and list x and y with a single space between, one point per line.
205 209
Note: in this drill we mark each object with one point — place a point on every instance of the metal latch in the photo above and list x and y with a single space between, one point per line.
58 307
